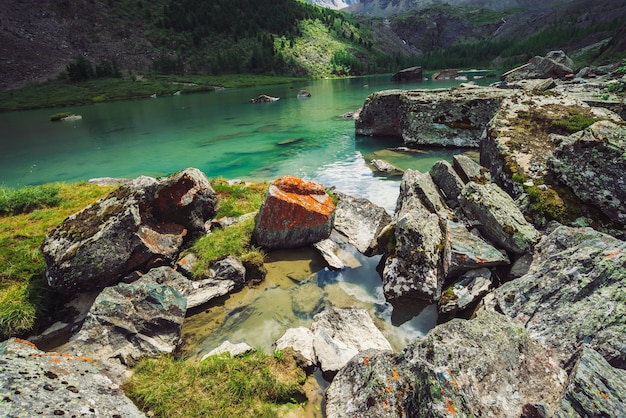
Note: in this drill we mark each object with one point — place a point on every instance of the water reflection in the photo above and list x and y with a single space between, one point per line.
296 288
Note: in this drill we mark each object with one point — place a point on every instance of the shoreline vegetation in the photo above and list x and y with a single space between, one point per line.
258 384
64 92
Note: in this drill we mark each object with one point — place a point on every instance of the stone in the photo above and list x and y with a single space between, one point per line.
442 117
469 170
336 257
554 65
130 321
486 366
339 334
499 218
304 94
300 340
573 294
420 186
386 168
448 182
372 384
595 390
360 222
264 98
38 383
139 225
294 213
232 349
520 136
464 251
226 276
576 162
408 74
466 291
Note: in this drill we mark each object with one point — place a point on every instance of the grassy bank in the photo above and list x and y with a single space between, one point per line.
63 92
26 216
252 385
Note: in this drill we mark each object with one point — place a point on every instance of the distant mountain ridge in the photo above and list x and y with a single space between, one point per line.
385 8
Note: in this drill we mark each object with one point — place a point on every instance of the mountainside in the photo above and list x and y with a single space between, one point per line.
387 8
41 39
333 4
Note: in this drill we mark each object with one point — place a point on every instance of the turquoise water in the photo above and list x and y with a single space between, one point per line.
219 133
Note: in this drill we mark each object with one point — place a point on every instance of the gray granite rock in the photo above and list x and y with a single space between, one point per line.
37 383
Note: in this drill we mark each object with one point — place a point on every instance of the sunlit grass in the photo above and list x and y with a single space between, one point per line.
252 385
24 294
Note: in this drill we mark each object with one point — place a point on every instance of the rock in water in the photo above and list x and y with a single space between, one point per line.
131 229
295 213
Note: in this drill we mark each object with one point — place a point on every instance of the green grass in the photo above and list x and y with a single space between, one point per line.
238 199
27 199
63 92
253 385
28 214
24 294
233 201
576 121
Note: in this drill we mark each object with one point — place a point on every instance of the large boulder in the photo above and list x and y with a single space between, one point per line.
141 224
38 383
464 251
573 293
593 164
499 219
372 384
360 222
295 213
414 241
595 390
487 366
525 131
408 74
554 65
443 117
129 321
340 334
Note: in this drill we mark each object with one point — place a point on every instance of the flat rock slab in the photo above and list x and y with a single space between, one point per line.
38 383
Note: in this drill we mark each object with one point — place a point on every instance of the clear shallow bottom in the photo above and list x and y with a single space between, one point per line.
296 288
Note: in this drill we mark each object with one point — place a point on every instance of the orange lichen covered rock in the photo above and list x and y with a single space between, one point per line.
295 213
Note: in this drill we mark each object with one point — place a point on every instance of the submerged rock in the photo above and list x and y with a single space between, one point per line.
264 98
295 213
